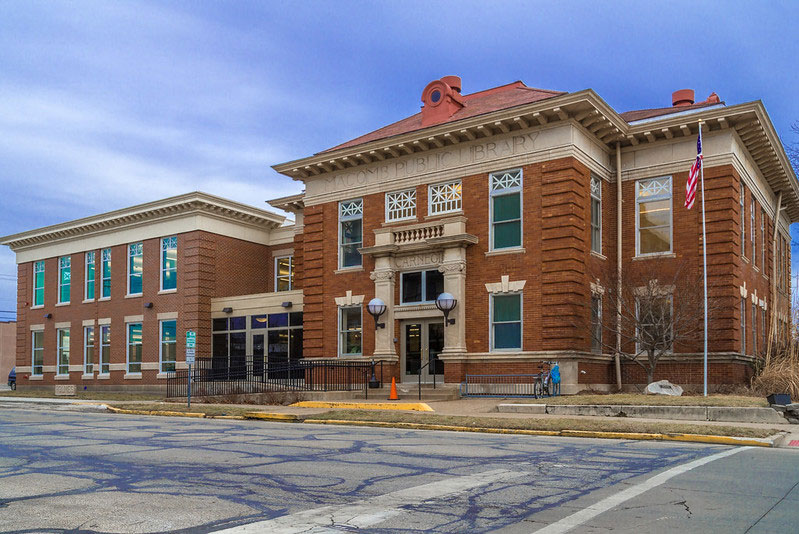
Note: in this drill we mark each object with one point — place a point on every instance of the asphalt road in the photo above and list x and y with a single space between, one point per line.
64 471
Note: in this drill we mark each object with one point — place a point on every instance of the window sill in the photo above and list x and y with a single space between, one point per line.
598 255
61 377
346 270
39 307
431 216
101 299
132 376
407 220
163 376
167 291
655 256
86 301
36 377
756 268
504 251
104 376
133 296
85 376
744 258
62 304
505 351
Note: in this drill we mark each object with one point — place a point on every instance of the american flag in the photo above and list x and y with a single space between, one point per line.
693 176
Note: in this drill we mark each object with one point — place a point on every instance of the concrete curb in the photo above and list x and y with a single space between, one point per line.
267 416
155 412
694 438
411 406
732 414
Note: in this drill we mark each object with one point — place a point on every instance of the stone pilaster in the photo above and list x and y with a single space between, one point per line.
454 269
384 278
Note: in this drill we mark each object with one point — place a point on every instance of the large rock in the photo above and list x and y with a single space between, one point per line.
663 387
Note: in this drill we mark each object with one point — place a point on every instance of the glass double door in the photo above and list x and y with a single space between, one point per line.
422 342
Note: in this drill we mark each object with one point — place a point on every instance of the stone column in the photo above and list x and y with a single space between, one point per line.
384 279
454 268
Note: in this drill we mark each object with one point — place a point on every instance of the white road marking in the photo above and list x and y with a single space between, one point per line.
579 518
368 512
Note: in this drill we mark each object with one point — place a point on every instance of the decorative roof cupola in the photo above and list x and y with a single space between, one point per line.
442 99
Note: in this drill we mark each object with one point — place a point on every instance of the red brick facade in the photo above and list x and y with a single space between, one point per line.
208 265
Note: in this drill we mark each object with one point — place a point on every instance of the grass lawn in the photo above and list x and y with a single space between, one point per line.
84 395
208 409
525 423
549 423
652 400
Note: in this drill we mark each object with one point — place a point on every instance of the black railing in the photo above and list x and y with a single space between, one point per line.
213 376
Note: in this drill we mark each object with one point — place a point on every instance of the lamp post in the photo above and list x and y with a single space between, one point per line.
446 303
376 308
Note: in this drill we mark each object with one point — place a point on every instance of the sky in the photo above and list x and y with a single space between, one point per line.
108 104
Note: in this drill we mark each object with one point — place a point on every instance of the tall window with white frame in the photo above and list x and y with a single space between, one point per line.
596 323
135 268
743 219
350 217
401 205
105 275
763 241
169 263
350 331
596 214
506 321
88 350
505 190
654 323
63 351
763 330
37 356
743 325
168 348
105 349
89 276
753 231
64 279
38 284
444 198
284 273
134 348
653 216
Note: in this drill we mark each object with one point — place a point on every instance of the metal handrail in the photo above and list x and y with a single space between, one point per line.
429 361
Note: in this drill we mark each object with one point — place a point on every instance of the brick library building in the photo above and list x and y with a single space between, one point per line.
481 236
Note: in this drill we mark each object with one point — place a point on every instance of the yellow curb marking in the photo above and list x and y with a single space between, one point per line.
272 416
413 406
696 438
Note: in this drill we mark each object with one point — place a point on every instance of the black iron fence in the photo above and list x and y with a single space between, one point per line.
213 376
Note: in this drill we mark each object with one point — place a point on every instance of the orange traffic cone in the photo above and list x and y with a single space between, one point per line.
393 394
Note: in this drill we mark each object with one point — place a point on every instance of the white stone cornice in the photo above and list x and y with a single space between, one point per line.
349 300
505 285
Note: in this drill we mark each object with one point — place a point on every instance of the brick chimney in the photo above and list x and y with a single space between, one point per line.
683 97
442 99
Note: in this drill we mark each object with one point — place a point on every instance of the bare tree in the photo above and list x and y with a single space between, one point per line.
793 148
661 313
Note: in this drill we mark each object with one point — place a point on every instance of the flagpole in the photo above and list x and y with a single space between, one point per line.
704 250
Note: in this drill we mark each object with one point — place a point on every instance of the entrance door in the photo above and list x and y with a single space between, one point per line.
422 342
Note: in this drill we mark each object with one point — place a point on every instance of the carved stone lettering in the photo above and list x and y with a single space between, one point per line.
418 260
442 159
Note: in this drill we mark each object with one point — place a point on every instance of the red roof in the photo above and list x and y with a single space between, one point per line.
495 99
640 114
